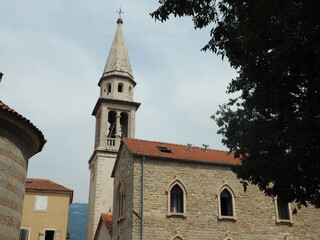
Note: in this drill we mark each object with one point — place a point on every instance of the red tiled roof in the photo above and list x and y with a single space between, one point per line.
107 218
149 148
45 184
7 109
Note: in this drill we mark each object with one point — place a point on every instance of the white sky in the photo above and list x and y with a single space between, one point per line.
52 54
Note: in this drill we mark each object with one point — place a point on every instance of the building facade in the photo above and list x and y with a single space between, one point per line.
45 210
115 118
19 141
169 191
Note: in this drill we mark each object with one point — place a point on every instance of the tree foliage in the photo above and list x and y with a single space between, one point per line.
274 124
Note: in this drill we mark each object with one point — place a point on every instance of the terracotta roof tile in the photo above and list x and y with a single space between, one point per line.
107 218
149 148
45 184
7 109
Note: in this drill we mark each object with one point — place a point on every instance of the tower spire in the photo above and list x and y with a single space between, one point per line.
118 62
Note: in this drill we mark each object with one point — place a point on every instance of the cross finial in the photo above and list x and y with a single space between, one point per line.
120 12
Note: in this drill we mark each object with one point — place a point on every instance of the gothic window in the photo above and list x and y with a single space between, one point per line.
176 199
120 87
226 203
176 194
283 210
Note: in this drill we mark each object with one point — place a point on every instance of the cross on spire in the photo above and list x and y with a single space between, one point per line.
120 12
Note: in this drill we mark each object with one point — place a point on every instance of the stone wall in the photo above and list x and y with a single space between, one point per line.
255 214
122 225
12 180
101 189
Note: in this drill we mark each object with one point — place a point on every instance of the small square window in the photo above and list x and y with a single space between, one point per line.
41 204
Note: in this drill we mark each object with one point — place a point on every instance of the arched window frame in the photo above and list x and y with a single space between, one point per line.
184 192
233 196
278 218
177 237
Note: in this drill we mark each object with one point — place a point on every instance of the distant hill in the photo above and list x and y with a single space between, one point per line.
77 222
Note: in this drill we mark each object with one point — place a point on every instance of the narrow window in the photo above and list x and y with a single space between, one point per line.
176 196
226 203
120 197
283 210
109 88
120 87
111 129
124 124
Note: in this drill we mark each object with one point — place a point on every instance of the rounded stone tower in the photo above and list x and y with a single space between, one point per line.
19 140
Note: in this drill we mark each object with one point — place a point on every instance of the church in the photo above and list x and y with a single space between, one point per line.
153 190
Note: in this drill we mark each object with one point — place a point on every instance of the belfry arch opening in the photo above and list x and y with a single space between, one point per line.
111 131
124 124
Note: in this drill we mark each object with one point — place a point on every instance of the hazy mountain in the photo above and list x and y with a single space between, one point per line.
77 222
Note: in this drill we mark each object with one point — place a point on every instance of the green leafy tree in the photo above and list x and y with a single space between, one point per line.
274 124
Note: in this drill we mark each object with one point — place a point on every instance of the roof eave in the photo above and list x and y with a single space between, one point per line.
135 104
185 160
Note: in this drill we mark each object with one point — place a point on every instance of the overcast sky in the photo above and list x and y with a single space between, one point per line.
52 54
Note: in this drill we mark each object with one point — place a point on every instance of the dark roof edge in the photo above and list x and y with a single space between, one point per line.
136 104
185 160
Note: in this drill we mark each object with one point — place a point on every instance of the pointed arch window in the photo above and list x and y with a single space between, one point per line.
176 199
226 203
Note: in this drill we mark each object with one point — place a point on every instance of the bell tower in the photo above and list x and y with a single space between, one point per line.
115 118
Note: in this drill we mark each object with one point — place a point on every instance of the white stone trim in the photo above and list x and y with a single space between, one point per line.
177 237
279 220
184 190
29 231
233 196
